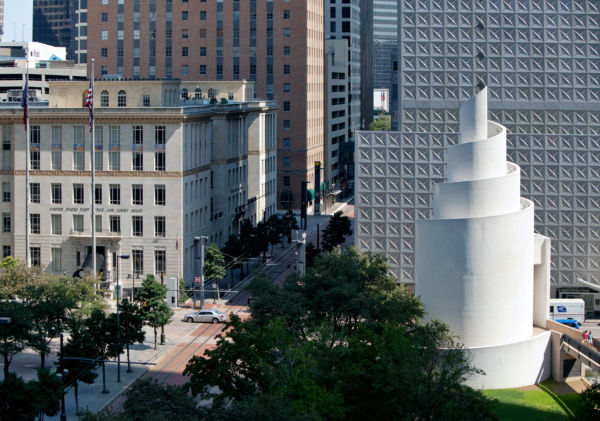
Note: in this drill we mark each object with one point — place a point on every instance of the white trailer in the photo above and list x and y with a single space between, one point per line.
567 308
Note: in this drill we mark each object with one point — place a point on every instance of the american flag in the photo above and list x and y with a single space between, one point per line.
89 102
25 104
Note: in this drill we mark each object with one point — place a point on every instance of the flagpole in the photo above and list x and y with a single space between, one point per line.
27 159
93 195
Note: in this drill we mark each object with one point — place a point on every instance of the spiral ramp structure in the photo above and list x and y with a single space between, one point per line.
476 258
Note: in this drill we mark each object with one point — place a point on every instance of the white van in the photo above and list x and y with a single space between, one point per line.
567 308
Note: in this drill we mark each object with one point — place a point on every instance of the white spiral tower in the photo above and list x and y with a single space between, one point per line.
475 258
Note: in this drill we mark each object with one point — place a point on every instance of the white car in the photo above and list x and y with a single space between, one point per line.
209 316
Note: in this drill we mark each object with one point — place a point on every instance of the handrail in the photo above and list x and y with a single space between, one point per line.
590 353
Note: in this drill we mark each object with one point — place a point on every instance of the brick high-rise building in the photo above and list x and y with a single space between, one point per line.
278 44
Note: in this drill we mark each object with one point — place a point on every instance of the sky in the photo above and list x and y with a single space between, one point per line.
17 13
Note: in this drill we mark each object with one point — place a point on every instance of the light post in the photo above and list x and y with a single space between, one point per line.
301 266
119 258
201 240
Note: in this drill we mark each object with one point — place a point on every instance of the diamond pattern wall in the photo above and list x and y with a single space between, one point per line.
541 62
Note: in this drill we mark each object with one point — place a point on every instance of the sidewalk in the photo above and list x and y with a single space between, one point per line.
91 397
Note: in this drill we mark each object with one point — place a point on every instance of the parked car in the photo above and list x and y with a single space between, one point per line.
208 316
569 322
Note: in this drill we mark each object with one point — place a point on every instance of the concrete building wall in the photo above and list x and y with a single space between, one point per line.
545 94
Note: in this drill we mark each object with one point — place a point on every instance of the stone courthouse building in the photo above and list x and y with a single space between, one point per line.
167 170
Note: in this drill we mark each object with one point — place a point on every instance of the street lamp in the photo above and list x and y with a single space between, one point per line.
201 240
119 258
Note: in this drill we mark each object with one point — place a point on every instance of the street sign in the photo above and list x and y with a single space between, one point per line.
197 279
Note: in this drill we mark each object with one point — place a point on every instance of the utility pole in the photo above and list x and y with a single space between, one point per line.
302 255
201 240
119 258
63 412
162 328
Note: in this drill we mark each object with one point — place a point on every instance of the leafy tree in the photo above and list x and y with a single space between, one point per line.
14 336
233 251
337 229
151 401
50 304
383 124
103 333
20 400
274 230
261 239
311 253
289 223
132 331
79 345
342 342
590 399
214 265
152 305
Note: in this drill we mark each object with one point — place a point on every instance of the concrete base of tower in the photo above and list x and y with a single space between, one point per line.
512 365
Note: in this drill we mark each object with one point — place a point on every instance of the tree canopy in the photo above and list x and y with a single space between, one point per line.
344 342
152 305
335 232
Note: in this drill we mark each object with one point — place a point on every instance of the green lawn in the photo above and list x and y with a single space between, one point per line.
533 405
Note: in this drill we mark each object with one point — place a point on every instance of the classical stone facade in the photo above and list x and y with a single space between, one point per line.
164 174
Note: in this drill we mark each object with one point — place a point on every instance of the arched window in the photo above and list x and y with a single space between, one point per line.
198 93
184 93
104 99
122 99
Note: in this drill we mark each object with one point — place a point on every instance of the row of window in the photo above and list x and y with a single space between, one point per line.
114 224
137 259
56 193
114 153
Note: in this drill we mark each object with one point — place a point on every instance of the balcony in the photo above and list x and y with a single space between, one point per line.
104 234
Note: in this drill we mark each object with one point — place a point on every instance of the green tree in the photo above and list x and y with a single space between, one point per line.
289 223
103 333
335 232
275 229
79 345
50 304
16 335
261 239
590 403
150 401
383 123
234 251
132 324
343 342
214 266
152 305
26 401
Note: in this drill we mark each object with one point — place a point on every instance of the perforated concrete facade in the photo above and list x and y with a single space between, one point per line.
541 63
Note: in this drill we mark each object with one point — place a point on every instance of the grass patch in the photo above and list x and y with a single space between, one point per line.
540 404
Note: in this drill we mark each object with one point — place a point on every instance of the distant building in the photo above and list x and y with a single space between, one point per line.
2 26
543 76
276 44
52 23
46 63
336 107
167 171
385 41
